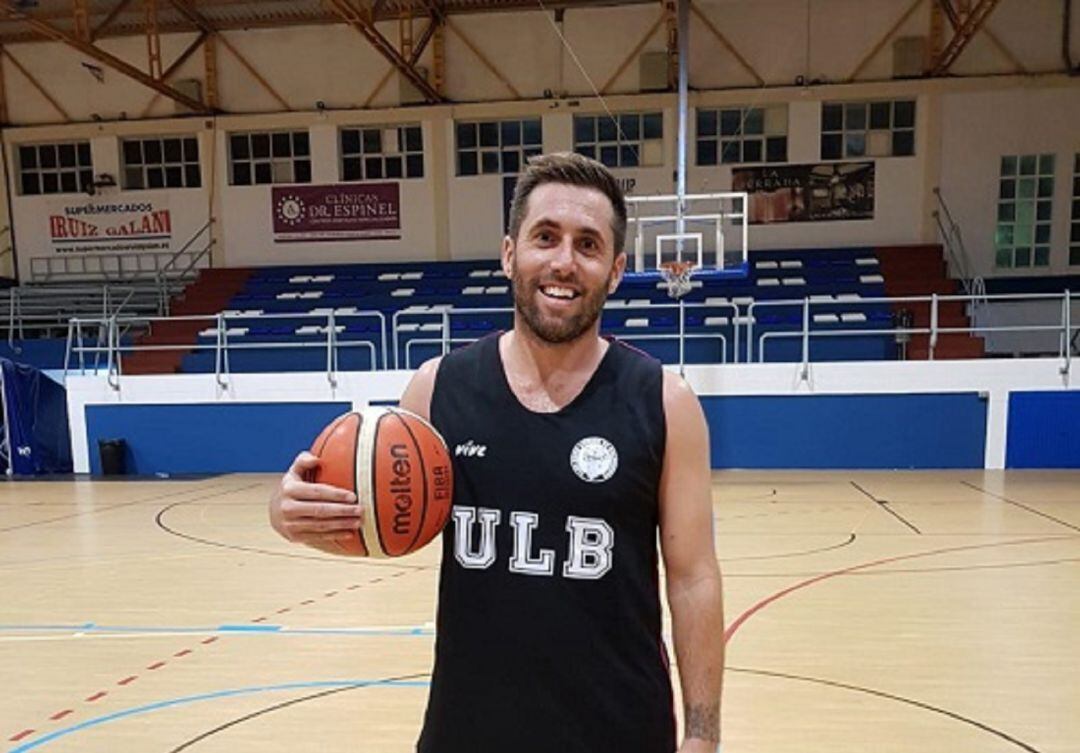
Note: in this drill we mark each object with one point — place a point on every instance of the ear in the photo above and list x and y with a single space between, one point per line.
506 255
617 270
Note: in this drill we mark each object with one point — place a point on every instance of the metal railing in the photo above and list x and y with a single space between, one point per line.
953 241
1065 328
742 324
111 346
126 266
47 308
171 270
445 316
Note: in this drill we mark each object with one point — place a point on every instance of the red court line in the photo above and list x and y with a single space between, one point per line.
96 696
156 665
211 639
260 619
283 610
755 608
127 680
61 714
185 652
21 735
328 594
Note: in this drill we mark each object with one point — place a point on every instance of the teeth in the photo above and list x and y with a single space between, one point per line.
559 292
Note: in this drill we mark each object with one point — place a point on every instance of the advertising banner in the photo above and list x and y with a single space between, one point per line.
350 211
807 193
81 227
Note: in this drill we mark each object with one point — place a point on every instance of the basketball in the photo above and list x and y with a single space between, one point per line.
398 466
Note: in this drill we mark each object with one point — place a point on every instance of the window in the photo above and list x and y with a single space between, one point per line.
734 135
1025 198
868 129
497 146
55 168
377 152
269 157
171 162
1074 233
624 140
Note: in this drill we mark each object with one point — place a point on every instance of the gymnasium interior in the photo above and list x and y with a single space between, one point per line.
854 231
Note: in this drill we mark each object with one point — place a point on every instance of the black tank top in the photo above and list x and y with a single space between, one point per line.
549 622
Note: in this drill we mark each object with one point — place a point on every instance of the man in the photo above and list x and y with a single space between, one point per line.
549 624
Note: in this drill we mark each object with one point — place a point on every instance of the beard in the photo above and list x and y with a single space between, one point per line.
555 330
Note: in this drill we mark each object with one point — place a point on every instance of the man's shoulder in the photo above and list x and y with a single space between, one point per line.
681 403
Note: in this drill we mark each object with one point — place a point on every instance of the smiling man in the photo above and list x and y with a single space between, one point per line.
549 633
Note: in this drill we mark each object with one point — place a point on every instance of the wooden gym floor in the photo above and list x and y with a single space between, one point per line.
885 612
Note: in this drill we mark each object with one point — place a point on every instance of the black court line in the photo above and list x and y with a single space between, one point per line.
891 697
885 506
368 561
107 508
1021 505
848 541
285 704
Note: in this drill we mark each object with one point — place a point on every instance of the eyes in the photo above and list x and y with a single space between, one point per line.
547 238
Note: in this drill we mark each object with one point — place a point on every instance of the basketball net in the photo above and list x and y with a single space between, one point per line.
676 276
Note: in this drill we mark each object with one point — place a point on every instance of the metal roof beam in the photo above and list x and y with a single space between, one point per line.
113 14
86 48
384 47
967 30
36 84
955 21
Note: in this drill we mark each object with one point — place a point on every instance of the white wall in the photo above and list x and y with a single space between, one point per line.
964 125
7 261
822 40
978 129
190 208
994 378
245 211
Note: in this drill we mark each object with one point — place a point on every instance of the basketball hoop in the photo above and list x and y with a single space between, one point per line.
676 276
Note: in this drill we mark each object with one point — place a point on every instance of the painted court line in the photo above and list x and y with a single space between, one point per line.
755 608
98 632
184 700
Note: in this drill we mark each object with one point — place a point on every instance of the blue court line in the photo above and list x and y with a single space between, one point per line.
150 707
258 629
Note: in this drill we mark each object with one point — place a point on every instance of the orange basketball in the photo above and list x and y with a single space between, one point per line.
398 466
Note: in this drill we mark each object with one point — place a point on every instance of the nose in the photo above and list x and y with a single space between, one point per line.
562 257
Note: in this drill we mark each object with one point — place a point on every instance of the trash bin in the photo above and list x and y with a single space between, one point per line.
112 452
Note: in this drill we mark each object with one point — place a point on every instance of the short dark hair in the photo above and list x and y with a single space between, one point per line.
575 170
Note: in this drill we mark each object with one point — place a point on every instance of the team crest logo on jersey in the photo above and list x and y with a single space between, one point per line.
594 459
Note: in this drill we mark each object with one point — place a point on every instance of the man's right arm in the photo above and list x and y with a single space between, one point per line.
320 515
417 396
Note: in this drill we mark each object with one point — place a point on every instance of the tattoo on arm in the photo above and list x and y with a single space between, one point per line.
703 722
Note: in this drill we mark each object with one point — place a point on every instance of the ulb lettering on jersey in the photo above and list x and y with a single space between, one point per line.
480 556
590 545
522 561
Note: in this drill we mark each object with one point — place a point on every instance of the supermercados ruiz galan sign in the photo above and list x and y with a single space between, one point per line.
110 227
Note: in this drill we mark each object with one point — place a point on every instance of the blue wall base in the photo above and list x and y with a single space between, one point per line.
847 431
208 438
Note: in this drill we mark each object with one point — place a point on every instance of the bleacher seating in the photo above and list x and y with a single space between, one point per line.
293 304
